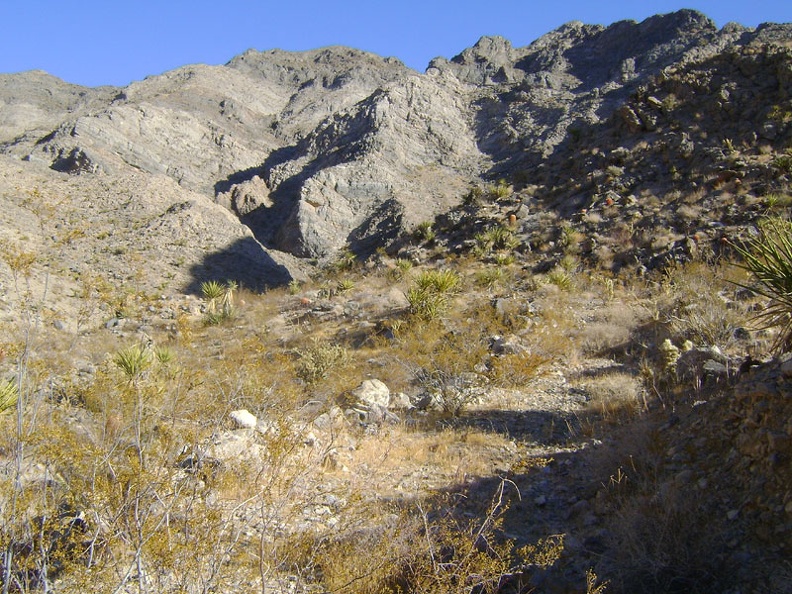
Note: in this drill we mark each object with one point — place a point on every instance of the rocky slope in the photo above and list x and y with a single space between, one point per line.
318 150
618 130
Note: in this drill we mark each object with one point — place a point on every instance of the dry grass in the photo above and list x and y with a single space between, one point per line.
615 396
696 304
288 358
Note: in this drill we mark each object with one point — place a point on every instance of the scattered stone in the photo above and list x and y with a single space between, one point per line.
401 401
330 419
508 345
243 419
235 446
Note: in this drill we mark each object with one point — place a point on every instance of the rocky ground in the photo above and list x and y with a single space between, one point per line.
658 475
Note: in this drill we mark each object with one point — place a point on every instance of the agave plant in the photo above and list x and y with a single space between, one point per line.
768 257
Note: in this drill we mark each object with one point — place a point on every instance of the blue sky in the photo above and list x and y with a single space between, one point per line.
93 42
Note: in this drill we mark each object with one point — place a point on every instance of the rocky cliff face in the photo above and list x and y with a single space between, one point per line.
333 148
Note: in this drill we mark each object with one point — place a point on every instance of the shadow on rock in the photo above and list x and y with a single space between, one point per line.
246 262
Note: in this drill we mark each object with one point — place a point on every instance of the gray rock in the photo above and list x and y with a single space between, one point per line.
400 401
243 419
235 446
372 392
507 345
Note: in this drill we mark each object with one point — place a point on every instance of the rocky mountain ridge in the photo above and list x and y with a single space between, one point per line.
321 151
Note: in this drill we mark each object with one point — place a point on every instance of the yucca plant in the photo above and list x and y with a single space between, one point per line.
768 257
218 297
164 355
8 395
495 238
429 296
426 304
344 286
347 261
213 292
401 270
560 278
133 360
501 190
439 281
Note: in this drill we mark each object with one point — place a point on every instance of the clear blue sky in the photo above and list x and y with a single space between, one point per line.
92 42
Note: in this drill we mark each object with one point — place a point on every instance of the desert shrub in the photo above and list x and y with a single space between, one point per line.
294 286
164 355
503 259
133 360
404 266
615 396
768 258
489 278
667 543
695 308
783 163
429 296
346 261
474 196
344 286
316 361
424 232
494 239
442 364
435 550
426 304
775 200
570 238
440 281
500 190
517 369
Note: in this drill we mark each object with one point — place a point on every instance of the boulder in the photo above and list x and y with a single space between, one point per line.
372 392
243 419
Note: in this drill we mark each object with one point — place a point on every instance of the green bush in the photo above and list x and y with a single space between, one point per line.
500 191
496 238
219 300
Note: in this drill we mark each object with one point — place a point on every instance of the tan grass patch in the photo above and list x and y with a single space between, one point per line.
447 456
615 396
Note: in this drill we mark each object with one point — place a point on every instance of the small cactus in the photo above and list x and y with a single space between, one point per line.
670 355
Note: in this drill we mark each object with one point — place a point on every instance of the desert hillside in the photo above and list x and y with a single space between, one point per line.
316 322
